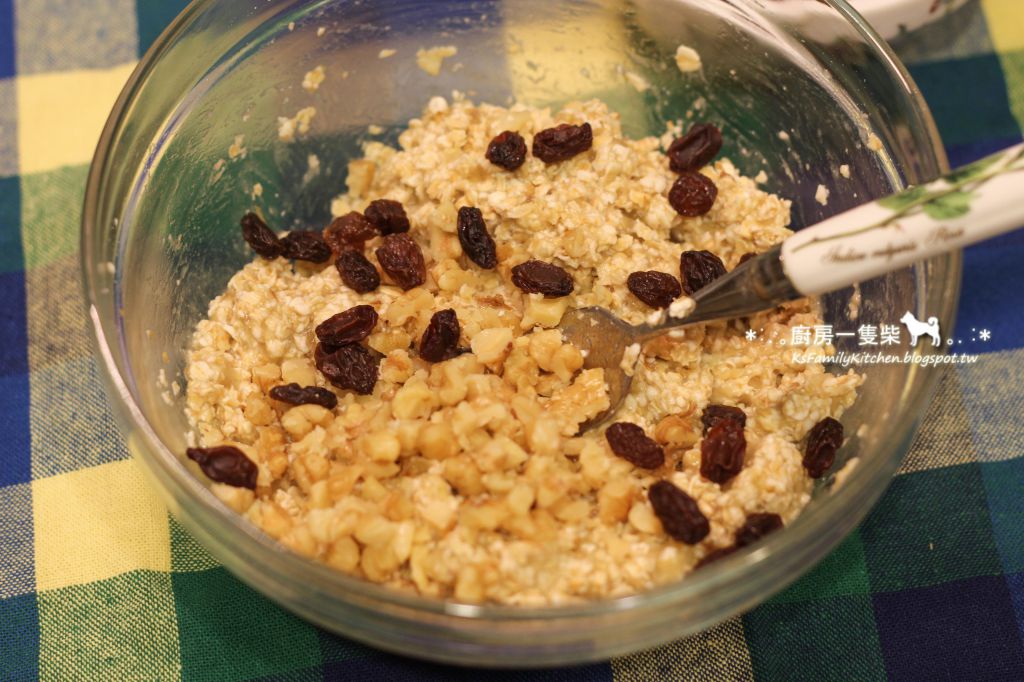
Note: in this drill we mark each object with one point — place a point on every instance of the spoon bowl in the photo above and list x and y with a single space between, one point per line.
602 338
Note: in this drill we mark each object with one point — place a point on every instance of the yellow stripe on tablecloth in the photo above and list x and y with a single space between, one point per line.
60 115
1005 24
719 653
96 523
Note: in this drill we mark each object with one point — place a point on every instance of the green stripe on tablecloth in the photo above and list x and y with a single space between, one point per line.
841 573
10 220
229 632
153 17
831 638
186 553
930 527
1013 69
121 628
1004 487
51 209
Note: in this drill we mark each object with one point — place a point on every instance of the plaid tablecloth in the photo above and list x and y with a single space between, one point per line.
97 581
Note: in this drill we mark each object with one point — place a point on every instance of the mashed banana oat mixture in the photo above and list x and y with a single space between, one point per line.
393 397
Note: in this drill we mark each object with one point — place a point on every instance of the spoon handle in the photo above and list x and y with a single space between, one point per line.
972 203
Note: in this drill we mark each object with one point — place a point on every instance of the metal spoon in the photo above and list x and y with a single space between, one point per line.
973 203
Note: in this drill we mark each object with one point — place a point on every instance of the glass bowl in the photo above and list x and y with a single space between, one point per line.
160 240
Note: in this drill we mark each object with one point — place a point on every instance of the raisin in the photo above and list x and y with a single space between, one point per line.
698 269
307 245
656 289
679 514
350 367
441 338
823 440
507 150
357 272
349 231
756 527
745 257
293 394
715 555
401 258
388 215
692 195
753 529
629 442
716 413
538 277
695 149
259 237
351 326
476 241
225 464
562 142
722 451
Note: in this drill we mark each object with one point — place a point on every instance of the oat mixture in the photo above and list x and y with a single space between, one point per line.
464 477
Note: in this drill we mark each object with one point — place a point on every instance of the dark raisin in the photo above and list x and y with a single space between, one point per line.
225 464
745 257
562 142
441 338
307 245
476 241
722 451
259 237
823 440
388 215
357 272
756 527
753 529
629 442
349 231
538 277
350 326
507 150
656 289
695 149
293 394
716 413
692 195
697 269
401 258
679 514
350 367
715 555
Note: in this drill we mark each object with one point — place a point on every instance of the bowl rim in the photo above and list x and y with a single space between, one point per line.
857 495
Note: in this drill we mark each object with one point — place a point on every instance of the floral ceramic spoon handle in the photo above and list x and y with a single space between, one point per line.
978 201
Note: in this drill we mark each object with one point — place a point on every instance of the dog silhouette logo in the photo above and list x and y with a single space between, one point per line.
917 328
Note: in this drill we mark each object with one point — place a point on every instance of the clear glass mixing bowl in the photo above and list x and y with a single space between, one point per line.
160 239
